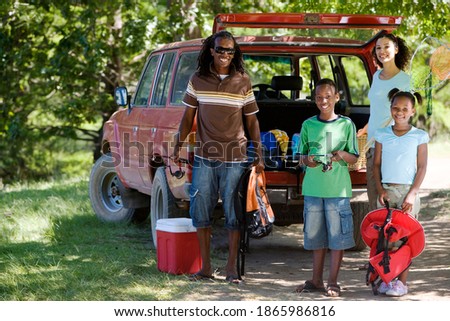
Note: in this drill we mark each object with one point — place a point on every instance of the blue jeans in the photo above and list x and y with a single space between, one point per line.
211 180
328 223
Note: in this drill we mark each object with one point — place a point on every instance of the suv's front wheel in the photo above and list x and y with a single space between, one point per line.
105 195
163 203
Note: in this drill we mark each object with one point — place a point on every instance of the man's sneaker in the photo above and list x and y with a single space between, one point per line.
398 289
383 288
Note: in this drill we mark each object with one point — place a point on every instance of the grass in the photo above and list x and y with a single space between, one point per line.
52 247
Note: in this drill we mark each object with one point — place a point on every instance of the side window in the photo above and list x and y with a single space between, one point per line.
143 92
261 69
187 65
357 79
305 73
325 68
161 91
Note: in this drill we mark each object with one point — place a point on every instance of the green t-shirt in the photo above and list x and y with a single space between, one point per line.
321 138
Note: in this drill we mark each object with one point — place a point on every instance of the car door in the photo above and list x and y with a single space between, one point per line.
152 118
161 120
128 129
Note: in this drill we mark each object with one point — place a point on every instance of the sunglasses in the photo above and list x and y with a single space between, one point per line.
222 50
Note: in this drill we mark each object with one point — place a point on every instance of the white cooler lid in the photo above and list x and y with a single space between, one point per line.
175 225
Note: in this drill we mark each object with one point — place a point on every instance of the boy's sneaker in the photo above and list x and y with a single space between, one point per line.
383 288
398 289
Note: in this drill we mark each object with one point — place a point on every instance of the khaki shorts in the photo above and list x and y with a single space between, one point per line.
397 194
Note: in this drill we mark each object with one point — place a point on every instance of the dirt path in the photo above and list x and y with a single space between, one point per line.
278 263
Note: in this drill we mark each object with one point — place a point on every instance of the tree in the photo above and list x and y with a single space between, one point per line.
60 63
61 60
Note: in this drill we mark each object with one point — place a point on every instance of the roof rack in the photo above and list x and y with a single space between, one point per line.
304 20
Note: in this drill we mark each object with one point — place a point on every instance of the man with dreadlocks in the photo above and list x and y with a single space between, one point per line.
219 94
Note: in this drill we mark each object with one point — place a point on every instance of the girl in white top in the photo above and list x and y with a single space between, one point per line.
391 55
400 163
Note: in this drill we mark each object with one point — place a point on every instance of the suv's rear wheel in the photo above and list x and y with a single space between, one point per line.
163 203
105 195
360 210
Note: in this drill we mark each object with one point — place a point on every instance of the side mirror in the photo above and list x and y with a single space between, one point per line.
121 96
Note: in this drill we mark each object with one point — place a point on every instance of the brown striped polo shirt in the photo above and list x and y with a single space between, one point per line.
220 105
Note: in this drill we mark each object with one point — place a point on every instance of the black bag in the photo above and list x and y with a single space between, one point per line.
257 223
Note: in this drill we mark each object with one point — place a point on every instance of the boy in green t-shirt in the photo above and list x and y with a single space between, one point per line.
327 144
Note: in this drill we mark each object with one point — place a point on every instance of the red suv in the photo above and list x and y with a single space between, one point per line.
285 55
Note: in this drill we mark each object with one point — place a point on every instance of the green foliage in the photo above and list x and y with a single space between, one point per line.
60 63
52 247
61 60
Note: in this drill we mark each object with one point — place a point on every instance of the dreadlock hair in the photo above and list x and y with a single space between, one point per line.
205 58
403 54
412 96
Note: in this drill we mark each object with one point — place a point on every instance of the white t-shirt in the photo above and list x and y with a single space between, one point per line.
380 106
399 154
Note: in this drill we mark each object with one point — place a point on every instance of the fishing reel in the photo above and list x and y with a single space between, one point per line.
179 173
326 167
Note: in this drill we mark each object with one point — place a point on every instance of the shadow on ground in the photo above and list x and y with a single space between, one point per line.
277 264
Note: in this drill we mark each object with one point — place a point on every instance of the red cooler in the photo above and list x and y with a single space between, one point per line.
177 250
